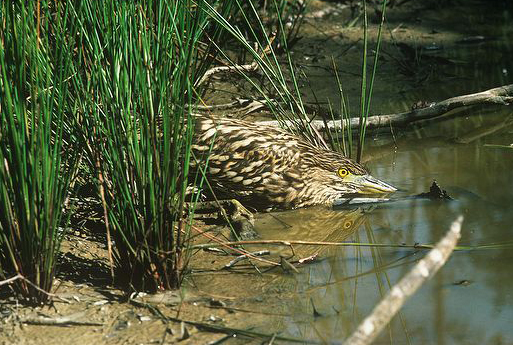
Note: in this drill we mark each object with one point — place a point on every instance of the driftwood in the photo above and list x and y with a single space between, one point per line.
399 293
70 320
235 68
499 95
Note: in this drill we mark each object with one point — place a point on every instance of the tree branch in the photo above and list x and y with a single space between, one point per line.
499 95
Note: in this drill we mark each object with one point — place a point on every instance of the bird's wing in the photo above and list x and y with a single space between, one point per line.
242 154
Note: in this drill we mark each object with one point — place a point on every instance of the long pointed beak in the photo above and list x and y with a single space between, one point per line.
371 185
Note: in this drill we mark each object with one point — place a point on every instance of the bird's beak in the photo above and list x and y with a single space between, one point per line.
371 185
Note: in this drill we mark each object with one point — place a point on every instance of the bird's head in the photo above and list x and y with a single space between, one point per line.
332 176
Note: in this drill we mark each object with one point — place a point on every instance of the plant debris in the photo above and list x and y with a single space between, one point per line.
435 193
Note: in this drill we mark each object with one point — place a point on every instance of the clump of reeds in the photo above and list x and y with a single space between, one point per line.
140 63
35 163
116 81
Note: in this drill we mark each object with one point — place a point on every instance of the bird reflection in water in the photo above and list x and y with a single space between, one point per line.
314 224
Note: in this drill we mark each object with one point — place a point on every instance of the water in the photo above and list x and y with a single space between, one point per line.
470 300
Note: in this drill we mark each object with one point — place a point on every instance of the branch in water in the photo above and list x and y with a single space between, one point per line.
369 329
499 95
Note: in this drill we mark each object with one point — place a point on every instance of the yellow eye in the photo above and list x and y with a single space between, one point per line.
348 224
343 172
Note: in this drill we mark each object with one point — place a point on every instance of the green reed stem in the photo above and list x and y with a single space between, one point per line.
366 96
36 167
143 61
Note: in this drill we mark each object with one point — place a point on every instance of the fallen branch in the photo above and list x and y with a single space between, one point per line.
400 292
288 243
499 95
235 68
11 280
70 320
228 246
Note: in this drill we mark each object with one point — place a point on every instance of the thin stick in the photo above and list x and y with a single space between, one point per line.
235 68
60 321
245 257
411 282
21 277
229 246
288 243
10 280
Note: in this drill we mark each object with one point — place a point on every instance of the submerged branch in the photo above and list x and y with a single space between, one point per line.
499 95
229 246
288 243
408 285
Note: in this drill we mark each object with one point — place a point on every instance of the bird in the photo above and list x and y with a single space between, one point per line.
268 168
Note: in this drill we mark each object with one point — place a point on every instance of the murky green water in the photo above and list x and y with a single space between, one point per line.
470 300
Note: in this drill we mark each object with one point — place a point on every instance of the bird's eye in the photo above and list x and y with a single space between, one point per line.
343 172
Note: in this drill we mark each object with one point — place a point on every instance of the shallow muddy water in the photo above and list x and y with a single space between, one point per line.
470 300
467 48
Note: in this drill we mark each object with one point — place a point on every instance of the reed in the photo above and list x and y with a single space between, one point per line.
366 90
282 80
141 62
36 163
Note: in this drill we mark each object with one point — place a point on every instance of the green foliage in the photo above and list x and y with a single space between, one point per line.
366 90
140 65
115 81
35 166
281 80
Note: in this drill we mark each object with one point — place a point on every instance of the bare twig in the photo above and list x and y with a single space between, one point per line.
227 245
11 280
21 277
235 68
394 300
288 243
245 257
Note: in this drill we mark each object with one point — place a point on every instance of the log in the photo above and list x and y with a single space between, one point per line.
499 95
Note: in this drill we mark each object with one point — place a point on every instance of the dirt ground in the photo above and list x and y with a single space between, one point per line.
89 310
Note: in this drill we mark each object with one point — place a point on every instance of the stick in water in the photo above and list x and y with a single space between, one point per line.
368 330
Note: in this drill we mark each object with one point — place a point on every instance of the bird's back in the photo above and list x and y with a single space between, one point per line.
249 161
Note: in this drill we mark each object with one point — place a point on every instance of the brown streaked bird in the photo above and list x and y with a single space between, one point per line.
268 168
